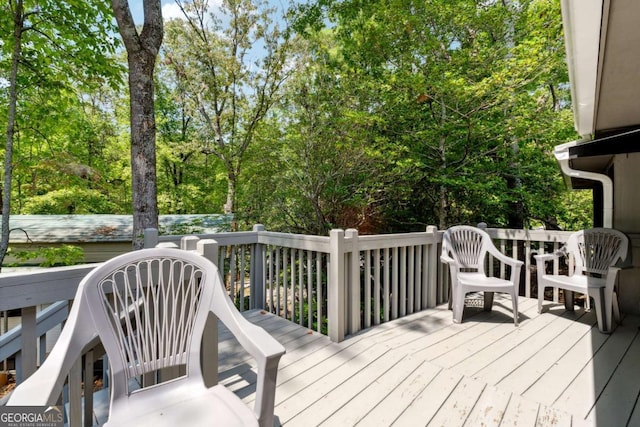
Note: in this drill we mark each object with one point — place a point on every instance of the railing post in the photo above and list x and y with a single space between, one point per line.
257 272
353 284
208 248
28 353
189 243
336 289
433 261
75 393
88 389
150 237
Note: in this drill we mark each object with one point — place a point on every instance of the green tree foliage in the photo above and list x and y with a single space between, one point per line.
384 115
48 48
329 161
230 68
463 100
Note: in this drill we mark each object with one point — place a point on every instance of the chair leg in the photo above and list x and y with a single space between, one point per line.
458 305
610 309
514 302
540 296
568 300
616 307
599 302
488 300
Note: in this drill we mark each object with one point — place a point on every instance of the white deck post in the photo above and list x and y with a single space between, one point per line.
336 289
189 243
353 283
257 272
208 248
28 353
150 237
432 261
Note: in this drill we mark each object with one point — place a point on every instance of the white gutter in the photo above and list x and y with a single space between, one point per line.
582 21
561 152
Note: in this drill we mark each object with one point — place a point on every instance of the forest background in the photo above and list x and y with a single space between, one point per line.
381 115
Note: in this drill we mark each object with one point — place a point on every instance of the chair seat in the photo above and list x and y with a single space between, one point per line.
176 404
577 282
491 284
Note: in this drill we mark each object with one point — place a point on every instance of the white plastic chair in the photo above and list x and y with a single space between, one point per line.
149 309
465 250
595 251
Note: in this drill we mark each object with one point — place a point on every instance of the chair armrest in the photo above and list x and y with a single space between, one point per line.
265 349
504 258
267 376
547 257
45 385
447 259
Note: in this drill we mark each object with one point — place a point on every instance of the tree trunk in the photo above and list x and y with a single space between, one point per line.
230 205
18 28
444 191
142 50
515 215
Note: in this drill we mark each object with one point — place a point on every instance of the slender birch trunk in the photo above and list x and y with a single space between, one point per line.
18 29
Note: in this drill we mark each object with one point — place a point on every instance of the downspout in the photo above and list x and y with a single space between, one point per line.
561 152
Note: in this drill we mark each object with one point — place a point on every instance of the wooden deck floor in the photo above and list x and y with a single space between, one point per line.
555 369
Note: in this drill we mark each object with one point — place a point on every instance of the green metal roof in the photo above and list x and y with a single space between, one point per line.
105 228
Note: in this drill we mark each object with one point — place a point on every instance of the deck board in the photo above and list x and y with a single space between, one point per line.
422 409
555 369
392 405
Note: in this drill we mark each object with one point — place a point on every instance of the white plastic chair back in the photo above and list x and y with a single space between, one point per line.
466 245
596 249
149 309
149 313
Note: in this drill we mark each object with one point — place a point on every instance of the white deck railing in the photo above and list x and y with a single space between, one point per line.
337 285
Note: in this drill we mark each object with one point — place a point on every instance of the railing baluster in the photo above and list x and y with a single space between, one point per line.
376 287
556 269
301 286
367 289
503 249
411 279
418 278
394 284
403 281
278 300
292 283
527 269
387 277
88 389
433 263
285 283
242 253
319 293
309 290
232 274
75 393
270 278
